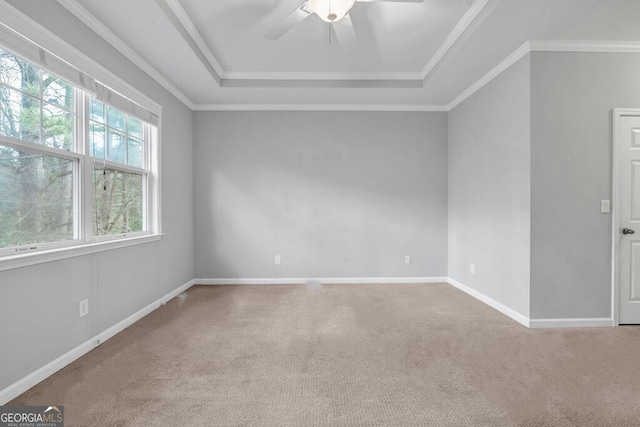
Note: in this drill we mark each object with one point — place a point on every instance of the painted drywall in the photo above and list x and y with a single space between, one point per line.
573 95
489 189
39 305
335 194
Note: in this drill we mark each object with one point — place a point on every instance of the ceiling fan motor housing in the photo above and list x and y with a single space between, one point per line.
331 10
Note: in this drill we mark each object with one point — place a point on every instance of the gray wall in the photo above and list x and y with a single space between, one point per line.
335 194
489 182
571 156
39 304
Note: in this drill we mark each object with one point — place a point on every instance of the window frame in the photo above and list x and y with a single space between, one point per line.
84 240
52 152
90 163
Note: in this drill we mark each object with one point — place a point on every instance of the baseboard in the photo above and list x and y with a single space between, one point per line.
20 386
328 281
123 324
571 323
520 318
171 295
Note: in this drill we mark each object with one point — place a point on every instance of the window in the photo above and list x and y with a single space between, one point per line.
74 169
117 144
36 198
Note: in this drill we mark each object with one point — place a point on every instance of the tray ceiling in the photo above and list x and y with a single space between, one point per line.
213 54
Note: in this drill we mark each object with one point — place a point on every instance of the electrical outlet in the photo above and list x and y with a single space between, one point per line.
83 307
407 259
472 268
277 260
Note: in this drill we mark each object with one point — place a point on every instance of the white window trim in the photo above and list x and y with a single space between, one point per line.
151 144
12 20
25 259
38 149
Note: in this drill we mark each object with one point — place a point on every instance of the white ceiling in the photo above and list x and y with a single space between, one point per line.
393 37
212 53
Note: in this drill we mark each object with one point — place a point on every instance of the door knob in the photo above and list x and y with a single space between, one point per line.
627 231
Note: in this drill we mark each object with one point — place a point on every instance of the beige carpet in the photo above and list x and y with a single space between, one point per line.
347 355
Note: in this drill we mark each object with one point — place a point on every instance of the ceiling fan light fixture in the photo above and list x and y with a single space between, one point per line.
331 10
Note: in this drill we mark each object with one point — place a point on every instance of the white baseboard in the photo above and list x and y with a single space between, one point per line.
328 281
171 295
570 323
123 324
533 323
20 386
520 318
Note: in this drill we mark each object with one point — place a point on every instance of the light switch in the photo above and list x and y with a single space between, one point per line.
605 206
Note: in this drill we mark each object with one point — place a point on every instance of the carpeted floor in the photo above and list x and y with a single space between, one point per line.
347 355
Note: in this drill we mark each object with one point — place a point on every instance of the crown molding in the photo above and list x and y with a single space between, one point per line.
595 46
323 84
324 80
193 32
495 72
256 75
321 107
189 33
589 46
478 11
99 28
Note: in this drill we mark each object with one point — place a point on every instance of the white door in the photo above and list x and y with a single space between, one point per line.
628 216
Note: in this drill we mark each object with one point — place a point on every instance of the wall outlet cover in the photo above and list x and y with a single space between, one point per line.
83 307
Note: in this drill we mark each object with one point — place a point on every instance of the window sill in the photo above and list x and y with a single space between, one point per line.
24 260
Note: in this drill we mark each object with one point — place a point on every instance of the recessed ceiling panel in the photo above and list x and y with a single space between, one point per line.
391 37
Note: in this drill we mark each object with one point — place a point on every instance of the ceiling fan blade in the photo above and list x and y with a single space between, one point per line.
345 33
289 21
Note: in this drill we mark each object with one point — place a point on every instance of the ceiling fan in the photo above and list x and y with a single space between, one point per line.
335 12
